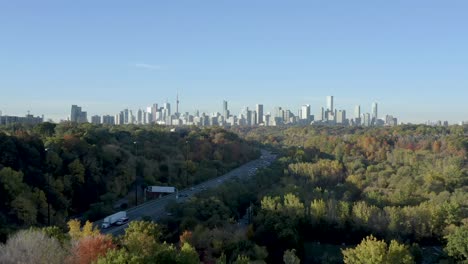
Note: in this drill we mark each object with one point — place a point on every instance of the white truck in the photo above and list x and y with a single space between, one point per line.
112 219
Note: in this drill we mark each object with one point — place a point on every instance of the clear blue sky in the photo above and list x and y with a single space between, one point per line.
409 56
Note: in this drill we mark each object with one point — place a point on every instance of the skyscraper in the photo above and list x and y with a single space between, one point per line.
341 117
357 111
305 112
366 119
225 110
77 115
330 103
177 104
357 115
140 116
374 112
167 106
154 110
321 114
259 113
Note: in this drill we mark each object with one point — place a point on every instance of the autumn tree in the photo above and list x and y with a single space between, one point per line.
373 251
89 248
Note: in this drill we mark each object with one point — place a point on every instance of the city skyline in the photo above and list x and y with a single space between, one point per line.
105 56
163 114
296 110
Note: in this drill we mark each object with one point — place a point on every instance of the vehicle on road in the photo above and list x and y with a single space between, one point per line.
112 219
122 221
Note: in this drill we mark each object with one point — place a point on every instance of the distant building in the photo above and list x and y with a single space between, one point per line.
357 115
390 120
341 117
108 120
78 116
28 119
321 115
225 110
140 117
95 119
330 104
305 113
374 112
366 119
260 113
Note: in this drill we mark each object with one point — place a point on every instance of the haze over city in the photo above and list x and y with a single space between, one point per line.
106 56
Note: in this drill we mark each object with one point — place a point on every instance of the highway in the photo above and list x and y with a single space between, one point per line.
156 208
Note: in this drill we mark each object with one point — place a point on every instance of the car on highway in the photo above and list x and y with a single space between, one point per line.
183 195
122 221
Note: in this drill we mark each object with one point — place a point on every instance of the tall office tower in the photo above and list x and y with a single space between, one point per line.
374 112
248 116
287 116
126 116
266 120
357 111
341 117
330 103
259 113
321 114
254 119
95 119
131 118
366 119
140 116
122 118
167 106
154 110
225 110
75 113
278 112
177 105
305 112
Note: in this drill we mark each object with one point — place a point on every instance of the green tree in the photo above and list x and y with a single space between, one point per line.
457 243
241 259
289 257
120 256
141 237
373 251
187 255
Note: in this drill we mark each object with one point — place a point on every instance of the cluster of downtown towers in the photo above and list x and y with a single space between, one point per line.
247 117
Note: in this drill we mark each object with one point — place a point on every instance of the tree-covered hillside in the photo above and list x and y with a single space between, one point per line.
71 170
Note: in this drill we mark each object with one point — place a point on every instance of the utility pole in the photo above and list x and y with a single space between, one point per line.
186 162
48 192
136 173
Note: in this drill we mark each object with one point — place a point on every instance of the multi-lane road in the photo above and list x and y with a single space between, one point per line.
157 208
